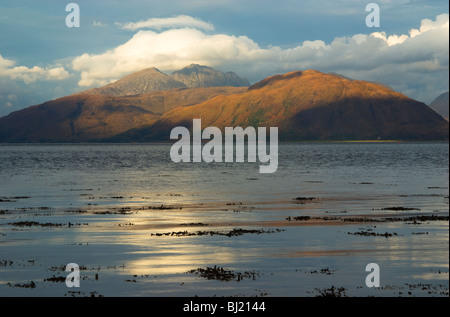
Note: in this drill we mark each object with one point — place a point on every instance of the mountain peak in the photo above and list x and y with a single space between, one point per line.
311 105
304 105
197 66
152 79
277 78
150 70
196 75
144 81
143 75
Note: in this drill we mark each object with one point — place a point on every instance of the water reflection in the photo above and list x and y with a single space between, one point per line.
122 195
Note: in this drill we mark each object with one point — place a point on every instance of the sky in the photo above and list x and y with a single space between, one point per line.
41 58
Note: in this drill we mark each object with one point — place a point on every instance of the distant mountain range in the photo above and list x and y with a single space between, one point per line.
202 76
152 79
441 105
305 105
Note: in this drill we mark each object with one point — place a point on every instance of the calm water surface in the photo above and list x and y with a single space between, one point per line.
112 194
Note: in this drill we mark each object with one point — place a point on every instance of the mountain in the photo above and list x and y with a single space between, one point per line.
203 76
144 81
133 101
309 105
152 79
374 82
72 119
305 105
81 118
441 105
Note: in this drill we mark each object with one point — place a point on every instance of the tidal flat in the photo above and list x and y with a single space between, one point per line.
140 225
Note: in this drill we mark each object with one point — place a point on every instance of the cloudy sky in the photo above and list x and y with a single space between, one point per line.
42 59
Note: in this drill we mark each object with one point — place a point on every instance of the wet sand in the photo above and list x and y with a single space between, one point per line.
318 247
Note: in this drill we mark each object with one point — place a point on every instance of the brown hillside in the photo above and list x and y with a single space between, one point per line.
79 118
310 105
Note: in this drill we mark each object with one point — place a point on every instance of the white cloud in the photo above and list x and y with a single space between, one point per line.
29 75
441 23
169 50
181 21
5 63
98 24
413 63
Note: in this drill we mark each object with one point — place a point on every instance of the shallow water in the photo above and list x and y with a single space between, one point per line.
122 200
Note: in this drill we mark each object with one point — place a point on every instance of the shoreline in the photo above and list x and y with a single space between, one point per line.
138 239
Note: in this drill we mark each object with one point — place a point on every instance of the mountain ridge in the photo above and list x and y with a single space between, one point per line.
93 117
144 81
305 105
152 79
196 75
309 105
